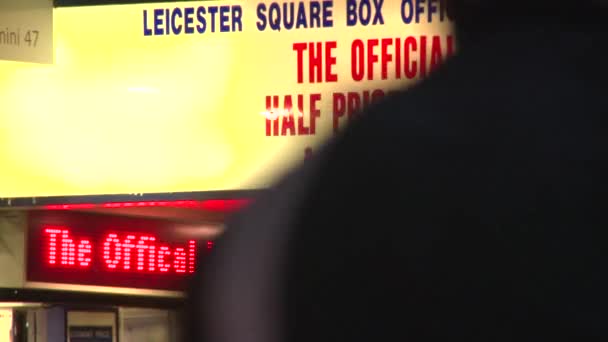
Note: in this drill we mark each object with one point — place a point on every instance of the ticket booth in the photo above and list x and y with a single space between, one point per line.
102 275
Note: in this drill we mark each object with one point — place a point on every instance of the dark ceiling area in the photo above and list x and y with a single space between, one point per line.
68 3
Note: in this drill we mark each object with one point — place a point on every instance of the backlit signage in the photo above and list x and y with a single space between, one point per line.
92 249
126 252
208 98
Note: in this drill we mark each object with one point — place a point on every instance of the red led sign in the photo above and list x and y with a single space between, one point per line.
92 249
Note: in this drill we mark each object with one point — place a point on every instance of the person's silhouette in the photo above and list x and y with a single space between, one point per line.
469 207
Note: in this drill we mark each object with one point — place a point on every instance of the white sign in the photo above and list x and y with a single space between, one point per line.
26 30
6 325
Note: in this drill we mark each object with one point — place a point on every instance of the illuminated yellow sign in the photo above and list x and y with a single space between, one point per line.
167 97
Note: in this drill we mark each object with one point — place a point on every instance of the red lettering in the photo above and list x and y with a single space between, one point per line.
377 95
131 252
317 57
179 260
397 58
302 129
339 109
366 99
163 252
268 121
191 256
314 111
299 48
410 67
84 252
112 243
286 116
144 244
315 62
386 57
275 109
288 120
53 244
422 57
68 249
272 124
61 246
415 58
372 58
353 104
330 61
436 57
127 247
151 254
357 60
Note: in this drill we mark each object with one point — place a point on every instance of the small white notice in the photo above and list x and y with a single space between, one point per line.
26 30
6 325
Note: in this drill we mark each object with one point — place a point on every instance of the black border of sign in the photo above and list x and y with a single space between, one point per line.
76 299
21 202
83 3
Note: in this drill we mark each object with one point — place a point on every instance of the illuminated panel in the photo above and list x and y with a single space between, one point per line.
209 205
93 249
